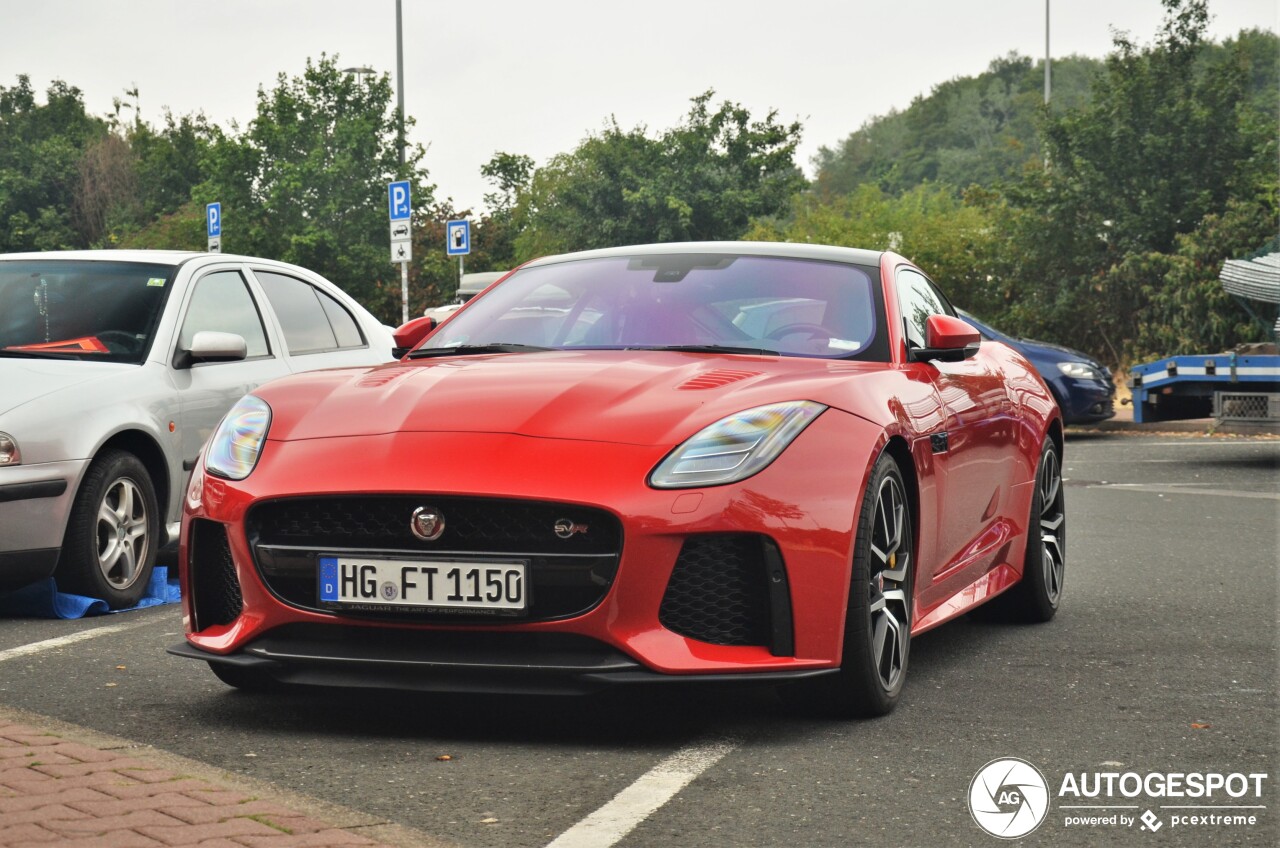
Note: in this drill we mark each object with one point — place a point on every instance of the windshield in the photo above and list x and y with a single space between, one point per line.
738 304
80 309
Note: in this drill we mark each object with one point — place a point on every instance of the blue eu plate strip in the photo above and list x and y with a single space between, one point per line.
328 578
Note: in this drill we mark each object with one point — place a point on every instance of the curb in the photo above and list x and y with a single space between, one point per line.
63 783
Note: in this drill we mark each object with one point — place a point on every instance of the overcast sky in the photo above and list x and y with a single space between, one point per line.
537 76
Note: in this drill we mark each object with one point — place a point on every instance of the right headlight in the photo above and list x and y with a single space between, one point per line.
735 447
9 453
237 443
1081 371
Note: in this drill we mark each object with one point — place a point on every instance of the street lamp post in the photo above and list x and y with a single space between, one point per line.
400 78
1046 53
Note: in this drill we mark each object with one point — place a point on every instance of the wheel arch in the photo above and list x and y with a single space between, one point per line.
900 451
1055 433
149 453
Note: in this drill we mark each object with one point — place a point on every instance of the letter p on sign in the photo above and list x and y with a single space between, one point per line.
398 200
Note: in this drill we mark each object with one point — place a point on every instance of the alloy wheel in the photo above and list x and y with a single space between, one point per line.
890 567
1052 526
122 533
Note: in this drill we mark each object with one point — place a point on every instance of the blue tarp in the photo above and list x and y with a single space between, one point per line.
43 600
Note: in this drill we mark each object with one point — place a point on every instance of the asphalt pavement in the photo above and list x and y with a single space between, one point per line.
1161 662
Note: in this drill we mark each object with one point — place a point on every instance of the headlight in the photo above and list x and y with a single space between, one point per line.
735 447
9 453
236 444
195 488
1081 371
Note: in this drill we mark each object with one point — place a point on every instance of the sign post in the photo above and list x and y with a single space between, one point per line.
213 226
399 207
458 242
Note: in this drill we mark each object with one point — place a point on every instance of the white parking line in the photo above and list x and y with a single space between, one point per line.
609 824
69 639
1175 489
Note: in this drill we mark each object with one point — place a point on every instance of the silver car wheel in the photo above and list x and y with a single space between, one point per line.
123 539
1052 527
890 565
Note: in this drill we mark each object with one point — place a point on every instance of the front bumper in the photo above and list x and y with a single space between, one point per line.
35 501
804 504
1087 402
492 663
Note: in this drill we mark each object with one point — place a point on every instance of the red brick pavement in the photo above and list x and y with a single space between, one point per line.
54 791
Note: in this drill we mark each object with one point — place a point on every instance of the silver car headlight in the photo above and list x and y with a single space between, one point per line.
735 447
9 453
1081 371
237 443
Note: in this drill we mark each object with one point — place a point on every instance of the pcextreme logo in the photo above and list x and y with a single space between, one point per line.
1008 798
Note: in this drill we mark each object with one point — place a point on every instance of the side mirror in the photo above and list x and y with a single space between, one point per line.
408 336
947 339
211 346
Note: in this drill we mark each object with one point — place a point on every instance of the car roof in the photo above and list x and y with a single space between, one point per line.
790 250
163 257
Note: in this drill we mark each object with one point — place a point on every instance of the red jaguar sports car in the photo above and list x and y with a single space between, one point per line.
678 462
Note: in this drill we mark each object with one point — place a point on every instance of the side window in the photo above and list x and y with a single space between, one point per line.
919 299
222 303
312 320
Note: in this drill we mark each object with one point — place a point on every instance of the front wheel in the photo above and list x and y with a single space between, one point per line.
877 638
113 533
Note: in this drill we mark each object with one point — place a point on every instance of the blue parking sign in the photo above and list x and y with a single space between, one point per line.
458 238
213 219
398 200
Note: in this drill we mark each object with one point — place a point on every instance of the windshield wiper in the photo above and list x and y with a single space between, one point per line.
710 348
468 350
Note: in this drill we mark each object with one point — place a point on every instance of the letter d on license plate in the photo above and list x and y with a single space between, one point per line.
436 583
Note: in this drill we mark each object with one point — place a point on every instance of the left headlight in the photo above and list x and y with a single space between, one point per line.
237 443
9 453
1081 371
735 447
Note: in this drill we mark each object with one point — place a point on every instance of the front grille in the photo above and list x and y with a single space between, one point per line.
719 591
567 576
215 589
480 525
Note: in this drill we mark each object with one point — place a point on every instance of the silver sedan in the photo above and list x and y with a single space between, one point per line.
115 366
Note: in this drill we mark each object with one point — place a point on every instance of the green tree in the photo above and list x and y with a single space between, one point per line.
494 235
1167 140
968 130
41 147
306 183
704 179
950 238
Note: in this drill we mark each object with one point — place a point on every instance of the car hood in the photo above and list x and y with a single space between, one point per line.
1050 349
24 380
624 397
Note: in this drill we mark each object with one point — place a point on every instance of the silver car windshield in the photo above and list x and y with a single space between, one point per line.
80 309
741 304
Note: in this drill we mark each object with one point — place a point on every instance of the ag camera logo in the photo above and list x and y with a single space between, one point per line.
1008 798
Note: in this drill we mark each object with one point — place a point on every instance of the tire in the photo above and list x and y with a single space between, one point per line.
113 533
877 637
1035 598
245 679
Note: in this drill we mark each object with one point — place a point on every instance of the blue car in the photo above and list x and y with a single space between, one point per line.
1083 388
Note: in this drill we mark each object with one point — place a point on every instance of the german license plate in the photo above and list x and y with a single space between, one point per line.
438 583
